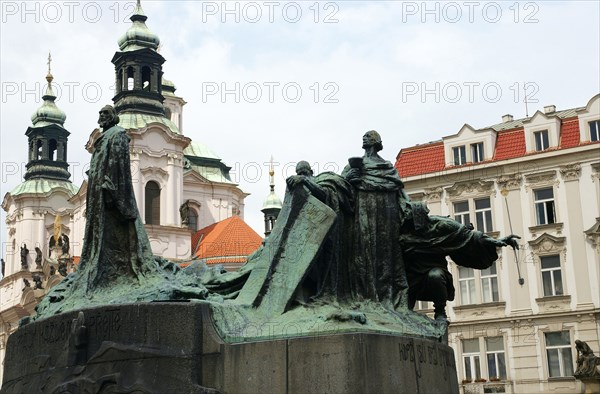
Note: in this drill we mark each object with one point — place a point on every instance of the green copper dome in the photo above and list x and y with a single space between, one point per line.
48 113
138 36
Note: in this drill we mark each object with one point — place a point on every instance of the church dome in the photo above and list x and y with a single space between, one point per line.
272 202
48 113
138 36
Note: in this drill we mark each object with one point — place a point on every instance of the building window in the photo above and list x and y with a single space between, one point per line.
482 212
460 155
544 206
466 283
489 284
483 215
594 130
193 220
152 203
494 348
558 351
471 360
551 275
477 152
541 140
461 212
423 305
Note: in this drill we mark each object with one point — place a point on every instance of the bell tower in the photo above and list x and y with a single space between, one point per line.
47 158
138 69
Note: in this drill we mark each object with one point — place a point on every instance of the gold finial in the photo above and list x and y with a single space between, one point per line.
49 77
271 169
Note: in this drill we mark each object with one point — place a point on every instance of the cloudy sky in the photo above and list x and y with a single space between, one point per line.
304 80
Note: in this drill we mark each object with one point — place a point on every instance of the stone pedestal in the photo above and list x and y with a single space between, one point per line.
174 348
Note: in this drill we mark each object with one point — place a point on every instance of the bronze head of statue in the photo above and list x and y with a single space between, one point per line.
372 138
303 168
108 117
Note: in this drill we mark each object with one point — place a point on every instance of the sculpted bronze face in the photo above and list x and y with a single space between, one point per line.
108 117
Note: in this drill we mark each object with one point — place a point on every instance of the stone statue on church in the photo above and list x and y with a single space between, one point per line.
184 213
24 254
38 258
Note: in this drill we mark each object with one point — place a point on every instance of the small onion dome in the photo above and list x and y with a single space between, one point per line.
48 113
138 36
272 202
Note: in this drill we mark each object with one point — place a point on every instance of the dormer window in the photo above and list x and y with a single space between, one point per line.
541 140
594 130
477 152
460 155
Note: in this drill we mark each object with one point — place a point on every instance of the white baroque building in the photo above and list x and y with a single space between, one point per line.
537 177
171 174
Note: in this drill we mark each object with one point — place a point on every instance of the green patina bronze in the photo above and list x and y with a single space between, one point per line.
336 261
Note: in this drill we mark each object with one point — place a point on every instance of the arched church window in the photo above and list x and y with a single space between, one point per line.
51 149
152 203
146 74
130 78
193 220
38 149
168 113
119 81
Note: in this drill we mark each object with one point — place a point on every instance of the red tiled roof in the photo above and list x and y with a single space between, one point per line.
510 144
228 241
421 159
569 136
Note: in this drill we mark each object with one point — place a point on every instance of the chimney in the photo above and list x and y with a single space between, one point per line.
507 118
549 109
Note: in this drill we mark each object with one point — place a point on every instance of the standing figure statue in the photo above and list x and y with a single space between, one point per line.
184 213
376 267
24 254
38 258
116 246
65 245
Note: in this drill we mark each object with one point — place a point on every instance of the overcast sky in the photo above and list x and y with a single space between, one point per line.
310 77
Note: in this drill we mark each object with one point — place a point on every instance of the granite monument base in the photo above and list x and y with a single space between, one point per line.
174 348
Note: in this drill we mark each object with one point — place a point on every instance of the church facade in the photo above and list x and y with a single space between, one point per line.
180 185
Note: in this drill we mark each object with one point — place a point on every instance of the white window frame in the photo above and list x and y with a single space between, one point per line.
472 213
561 361
469 296
552 271
595 130
483 212
496 353
461 156
471 356
491 279
477 152
544 201
541 143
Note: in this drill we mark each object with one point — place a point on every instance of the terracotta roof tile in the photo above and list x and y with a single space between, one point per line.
510 144
227 241
421 159
569 135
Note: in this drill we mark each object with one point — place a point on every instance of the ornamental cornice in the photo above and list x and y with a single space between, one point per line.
433 194
155 173
570 172
546 178
547 244
470 188
510 182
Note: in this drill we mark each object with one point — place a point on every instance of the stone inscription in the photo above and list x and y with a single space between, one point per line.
99 324
419 354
